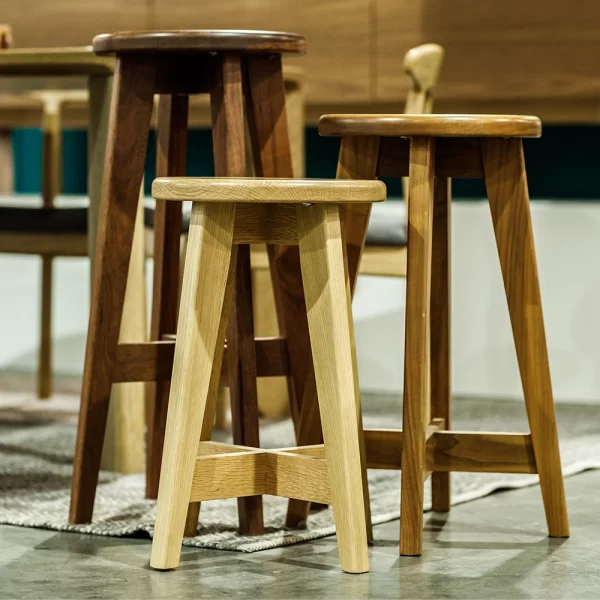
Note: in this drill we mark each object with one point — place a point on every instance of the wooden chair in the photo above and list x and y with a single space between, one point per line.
48 231
228 65
227 213
432 149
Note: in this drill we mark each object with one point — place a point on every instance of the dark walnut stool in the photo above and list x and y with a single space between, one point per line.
225 214
430 150
242 72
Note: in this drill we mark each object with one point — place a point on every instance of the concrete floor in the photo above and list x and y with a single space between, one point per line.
491 548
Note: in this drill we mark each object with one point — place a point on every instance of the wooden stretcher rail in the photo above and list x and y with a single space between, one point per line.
153 361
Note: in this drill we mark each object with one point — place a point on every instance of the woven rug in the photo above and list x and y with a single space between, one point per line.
36 450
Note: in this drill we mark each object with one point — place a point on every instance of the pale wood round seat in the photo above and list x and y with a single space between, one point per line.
200 40
401 125
264 191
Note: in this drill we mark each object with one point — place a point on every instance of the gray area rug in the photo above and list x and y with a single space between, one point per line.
36 450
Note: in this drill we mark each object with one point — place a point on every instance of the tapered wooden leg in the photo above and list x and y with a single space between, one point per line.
329 313
205 303
358 160
129 124
228 129
506 183
417 344
272 158
440 329
170 162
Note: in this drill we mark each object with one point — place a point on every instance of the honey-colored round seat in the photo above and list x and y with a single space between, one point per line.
200 40
431 125
256 190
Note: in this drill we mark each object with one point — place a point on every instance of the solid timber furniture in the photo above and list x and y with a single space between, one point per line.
432 149
31 69
229 65
227 214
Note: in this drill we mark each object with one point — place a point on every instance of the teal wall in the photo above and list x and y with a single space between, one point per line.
562 164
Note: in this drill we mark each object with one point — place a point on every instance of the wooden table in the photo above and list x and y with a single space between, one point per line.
24 69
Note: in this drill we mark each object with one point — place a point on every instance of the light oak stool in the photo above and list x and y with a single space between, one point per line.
227 213
231 66
430 150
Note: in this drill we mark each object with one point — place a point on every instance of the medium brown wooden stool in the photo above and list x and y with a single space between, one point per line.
226 213
432 149
231 66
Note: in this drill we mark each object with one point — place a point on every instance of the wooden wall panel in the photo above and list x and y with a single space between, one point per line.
509 50
53 23
337 33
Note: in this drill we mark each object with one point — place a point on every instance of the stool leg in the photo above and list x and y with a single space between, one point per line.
228 129
440 329
358 160
329 316
131 111
268 127
506 182
417 345
170 161
205 303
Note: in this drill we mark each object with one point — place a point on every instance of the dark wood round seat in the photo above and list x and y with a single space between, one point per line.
200 40
431 125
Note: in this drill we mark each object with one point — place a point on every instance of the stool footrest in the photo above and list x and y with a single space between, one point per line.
477 452
153 361
228 471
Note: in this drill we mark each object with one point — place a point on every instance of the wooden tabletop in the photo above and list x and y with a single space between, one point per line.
54 62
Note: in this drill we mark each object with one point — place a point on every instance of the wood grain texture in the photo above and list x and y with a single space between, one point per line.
123 450
329 313
471 452
331 51
227 108
506 184
274 224
483 40
264 190
129 123
357 161
170 161
205 304
417 346
397 125
267 124
441 389
454 157
200 40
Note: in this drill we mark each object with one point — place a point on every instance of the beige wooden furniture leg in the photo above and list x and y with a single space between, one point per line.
205 301
51 184
506 183
324 273
123 449
417 345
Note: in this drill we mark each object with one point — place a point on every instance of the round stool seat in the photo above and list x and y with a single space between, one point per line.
265 191
431 125
200 40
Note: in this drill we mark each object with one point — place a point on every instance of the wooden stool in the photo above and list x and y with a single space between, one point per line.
431 149
228 65
227 213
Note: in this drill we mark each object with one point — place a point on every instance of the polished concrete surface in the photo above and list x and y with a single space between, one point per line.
491 548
